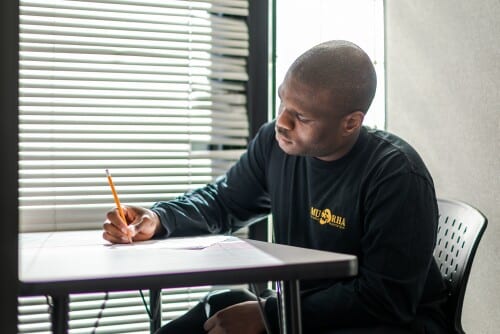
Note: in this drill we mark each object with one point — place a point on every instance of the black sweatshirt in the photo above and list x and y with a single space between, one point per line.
377 202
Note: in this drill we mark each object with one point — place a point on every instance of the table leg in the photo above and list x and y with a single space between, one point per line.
60 314
155 307
289 298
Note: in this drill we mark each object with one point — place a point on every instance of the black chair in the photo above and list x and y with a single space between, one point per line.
460 229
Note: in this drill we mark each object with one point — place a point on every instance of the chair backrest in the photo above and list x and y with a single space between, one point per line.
460 229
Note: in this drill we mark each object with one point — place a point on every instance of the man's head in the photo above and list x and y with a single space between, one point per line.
324 97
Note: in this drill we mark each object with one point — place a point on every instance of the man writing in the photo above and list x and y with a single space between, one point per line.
330 184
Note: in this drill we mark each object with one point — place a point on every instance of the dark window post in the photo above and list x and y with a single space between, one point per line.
258 83
9 44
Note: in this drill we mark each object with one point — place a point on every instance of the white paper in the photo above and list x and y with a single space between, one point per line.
200 242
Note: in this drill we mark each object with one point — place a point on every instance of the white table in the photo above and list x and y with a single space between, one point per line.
60 263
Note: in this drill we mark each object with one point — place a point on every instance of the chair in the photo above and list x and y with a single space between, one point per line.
460 229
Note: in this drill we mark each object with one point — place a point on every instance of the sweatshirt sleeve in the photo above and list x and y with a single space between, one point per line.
236 199
397 246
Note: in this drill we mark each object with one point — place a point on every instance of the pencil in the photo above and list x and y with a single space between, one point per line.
117 200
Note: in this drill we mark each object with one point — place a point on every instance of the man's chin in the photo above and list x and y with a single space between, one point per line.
288 148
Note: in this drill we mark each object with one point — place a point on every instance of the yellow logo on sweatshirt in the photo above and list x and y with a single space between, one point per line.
326 216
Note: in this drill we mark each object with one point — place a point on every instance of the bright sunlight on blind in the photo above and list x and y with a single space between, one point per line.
114 312
153 91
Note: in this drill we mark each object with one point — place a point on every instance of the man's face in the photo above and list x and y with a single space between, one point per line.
306 123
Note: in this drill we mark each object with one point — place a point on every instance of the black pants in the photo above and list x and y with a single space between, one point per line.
192 321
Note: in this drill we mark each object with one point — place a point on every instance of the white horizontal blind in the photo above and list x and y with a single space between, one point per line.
153 91
115 312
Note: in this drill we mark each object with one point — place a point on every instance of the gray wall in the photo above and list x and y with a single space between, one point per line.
443 96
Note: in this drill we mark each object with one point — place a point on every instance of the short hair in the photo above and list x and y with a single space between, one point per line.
341 69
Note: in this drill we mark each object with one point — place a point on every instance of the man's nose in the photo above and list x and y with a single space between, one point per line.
284 121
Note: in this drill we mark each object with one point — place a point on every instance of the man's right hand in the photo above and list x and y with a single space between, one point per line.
142 224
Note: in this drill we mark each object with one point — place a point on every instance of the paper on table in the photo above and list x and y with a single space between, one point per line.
200 242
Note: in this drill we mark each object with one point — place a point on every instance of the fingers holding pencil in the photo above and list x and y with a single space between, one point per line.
128 223
116 230
143 224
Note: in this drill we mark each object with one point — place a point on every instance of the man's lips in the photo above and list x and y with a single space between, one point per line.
282 138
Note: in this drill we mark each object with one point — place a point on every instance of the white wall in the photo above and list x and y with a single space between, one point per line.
443 96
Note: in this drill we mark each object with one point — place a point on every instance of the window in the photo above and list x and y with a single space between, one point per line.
302 24
153 90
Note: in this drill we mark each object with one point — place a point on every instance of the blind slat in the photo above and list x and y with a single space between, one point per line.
199 35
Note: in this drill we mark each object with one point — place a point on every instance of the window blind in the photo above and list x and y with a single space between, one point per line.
154 91
113 312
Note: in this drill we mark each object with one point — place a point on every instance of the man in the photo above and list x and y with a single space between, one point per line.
330 184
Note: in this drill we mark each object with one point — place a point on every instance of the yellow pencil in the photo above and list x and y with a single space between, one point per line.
117 200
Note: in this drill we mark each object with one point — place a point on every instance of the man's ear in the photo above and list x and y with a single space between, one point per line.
353 122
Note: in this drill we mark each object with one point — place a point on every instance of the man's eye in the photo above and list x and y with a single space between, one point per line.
301 118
